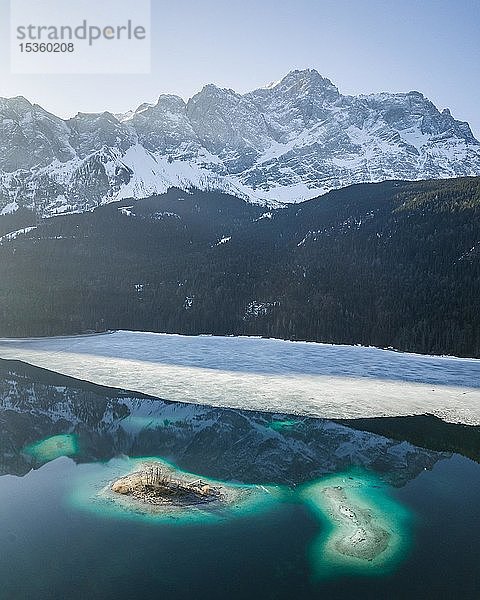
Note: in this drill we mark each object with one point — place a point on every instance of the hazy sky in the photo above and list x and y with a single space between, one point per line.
432 46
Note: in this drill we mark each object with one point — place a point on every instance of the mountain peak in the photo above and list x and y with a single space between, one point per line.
307 76
302 84
210 89
17 103
416 94
170 99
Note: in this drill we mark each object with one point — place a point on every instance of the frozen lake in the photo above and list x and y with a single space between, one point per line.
320 380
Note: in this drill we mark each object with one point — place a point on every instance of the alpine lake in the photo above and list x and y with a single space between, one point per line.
270 505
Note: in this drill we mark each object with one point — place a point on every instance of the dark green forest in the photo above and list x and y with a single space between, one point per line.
394 264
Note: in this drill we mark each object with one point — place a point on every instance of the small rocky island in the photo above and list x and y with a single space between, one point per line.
157 484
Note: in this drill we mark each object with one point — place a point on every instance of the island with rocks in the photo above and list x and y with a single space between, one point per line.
157 484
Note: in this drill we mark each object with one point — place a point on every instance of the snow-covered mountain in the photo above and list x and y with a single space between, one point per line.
287 142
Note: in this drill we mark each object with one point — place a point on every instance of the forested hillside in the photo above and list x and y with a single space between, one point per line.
390 264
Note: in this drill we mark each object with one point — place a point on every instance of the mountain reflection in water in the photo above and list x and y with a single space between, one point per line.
318 487
222 443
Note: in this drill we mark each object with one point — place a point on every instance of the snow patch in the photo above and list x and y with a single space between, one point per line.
10 208
15 234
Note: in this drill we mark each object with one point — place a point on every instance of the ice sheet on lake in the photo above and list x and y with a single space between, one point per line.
320 380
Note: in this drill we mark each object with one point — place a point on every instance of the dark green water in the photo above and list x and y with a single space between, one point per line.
59 541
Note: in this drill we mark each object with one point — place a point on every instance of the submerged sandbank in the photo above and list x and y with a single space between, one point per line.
53 447
365 529
358 533
361 528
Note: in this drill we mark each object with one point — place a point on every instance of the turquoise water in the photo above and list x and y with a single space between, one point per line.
63 536
90 491
366 492
53 447
53 548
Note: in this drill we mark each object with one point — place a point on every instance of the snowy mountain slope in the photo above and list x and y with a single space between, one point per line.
288 142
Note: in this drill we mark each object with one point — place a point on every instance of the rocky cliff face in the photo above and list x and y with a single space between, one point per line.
288 142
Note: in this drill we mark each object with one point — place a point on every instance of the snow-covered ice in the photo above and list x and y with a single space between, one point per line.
320 380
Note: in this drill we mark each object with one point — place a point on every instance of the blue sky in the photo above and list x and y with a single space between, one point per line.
432 46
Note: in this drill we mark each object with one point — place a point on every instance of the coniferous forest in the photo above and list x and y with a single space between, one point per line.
394 264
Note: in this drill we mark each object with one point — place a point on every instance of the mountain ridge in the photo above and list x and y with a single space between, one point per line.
288 142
